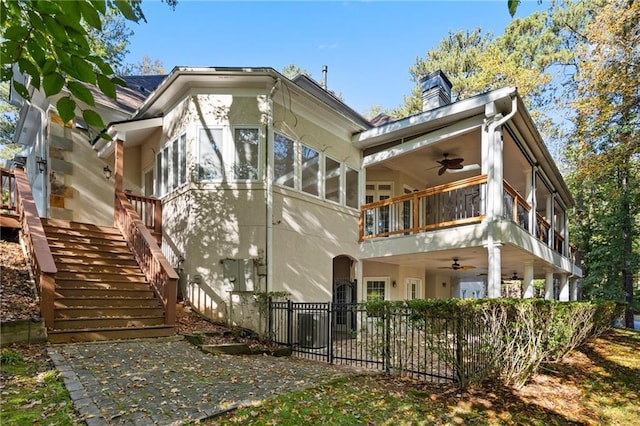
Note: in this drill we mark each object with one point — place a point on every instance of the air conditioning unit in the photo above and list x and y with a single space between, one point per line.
312 330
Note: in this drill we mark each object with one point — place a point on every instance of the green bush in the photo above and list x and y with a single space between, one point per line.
504 338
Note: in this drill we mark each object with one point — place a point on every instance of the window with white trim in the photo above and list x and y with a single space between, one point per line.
376 288
246 141
305 169
171 166
310 171
284 160
352 188
332 180
210 157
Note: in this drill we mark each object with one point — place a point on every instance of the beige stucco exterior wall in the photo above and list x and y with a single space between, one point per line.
90 194
307 235
435 288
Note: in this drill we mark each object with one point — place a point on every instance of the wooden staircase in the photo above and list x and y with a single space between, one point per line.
100 291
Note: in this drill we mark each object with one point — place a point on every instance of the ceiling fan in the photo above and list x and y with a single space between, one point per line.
449 163
454 165
458 267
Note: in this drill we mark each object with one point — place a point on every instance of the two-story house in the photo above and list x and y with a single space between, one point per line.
271 184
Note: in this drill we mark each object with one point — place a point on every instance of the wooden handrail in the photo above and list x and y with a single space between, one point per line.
40 257
415 220
149 209
474 180
162 278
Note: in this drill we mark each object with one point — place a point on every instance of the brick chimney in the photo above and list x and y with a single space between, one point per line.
436 90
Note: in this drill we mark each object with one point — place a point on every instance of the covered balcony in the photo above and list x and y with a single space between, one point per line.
457 203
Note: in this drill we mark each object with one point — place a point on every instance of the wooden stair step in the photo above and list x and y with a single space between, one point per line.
72 283
87 323
105 292
106 302
57 233
76 239
108 312
96 258
101 334
103 269
63 224
97 276
95 250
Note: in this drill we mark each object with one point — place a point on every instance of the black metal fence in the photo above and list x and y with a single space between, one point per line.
399 340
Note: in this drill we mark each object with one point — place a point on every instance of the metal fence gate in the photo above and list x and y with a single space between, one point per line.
403 342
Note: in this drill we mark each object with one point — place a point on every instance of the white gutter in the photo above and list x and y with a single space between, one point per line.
269 187
429 119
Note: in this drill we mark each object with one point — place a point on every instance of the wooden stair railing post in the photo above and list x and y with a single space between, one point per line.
40 255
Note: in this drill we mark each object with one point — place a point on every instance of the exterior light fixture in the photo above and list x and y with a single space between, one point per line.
107 172
394 283
42 164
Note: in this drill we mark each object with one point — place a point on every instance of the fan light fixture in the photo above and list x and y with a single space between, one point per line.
515 276
455 265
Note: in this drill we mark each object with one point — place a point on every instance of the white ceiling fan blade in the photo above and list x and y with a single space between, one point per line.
467 168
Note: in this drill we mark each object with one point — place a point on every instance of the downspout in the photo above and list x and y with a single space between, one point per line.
269 187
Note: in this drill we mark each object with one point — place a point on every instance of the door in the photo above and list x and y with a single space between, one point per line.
377 221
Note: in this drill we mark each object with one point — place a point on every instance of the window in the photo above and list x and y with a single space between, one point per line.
310 171
171 165
246 143
210 161
351 188
159 184
376 289
182 173
332 180
284 160
305 169
175 162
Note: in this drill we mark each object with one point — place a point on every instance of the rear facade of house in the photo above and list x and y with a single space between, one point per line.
271 184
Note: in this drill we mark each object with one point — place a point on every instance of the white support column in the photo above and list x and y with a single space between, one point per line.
566 234
564 288
494 270
530 177
573 289
551 218
548 286
527 281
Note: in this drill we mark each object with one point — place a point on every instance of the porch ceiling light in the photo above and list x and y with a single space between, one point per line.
42 164
107 172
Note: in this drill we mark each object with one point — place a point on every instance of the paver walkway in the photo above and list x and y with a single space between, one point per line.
170 381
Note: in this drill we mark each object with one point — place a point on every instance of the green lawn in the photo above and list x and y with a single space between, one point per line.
597 385
31 393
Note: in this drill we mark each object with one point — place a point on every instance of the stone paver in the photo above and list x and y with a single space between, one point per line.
170 381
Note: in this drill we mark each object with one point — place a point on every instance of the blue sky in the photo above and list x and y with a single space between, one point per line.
368 46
